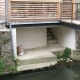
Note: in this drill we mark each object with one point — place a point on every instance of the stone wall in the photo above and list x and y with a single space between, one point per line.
76 53
77 39
6 57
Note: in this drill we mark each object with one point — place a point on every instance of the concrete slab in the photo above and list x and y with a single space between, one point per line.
40 52
2 21
3 28
36 22
35 66
38 58
77 22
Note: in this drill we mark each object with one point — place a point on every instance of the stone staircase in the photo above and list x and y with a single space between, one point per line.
37 62
51 40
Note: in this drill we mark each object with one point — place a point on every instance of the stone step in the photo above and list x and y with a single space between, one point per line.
49 31
55 45
55 48
50 37
37 60
52 41
35 66
49 34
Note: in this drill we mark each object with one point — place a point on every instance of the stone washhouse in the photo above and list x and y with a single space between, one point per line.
40 27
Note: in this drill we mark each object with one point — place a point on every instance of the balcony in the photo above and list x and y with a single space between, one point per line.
37 10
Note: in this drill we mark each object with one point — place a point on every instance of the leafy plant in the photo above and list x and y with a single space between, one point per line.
65 54
58 55
1 72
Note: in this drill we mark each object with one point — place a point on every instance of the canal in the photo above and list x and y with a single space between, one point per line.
59 72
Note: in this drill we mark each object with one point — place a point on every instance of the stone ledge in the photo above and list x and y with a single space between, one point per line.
35 66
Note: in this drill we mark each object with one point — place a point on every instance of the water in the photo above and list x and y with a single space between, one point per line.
57 73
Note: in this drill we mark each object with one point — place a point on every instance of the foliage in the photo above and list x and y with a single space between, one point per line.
2 65
65 54
58 55
6 59
12 68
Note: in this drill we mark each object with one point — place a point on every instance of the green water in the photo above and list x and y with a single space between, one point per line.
57 73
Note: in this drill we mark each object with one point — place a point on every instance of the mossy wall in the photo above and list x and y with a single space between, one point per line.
6 57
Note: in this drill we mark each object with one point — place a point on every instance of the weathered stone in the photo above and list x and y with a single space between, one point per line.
77 46
6 48
6 51
76 54
77 39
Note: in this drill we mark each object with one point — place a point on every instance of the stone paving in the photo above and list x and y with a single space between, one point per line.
38 58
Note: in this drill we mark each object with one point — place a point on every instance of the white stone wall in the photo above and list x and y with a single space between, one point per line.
66 36
31 37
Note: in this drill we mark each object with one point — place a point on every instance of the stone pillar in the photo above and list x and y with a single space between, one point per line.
14 42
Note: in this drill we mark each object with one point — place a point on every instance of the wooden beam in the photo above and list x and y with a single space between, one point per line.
38 0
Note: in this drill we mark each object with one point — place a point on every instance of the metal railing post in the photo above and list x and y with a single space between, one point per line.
6 11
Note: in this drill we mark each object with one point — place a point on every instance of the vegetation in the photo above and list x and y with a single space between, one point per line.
11 68
65 54
2 66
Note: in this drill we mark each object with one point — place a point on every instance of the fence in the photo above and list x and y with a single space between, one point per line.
24 11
